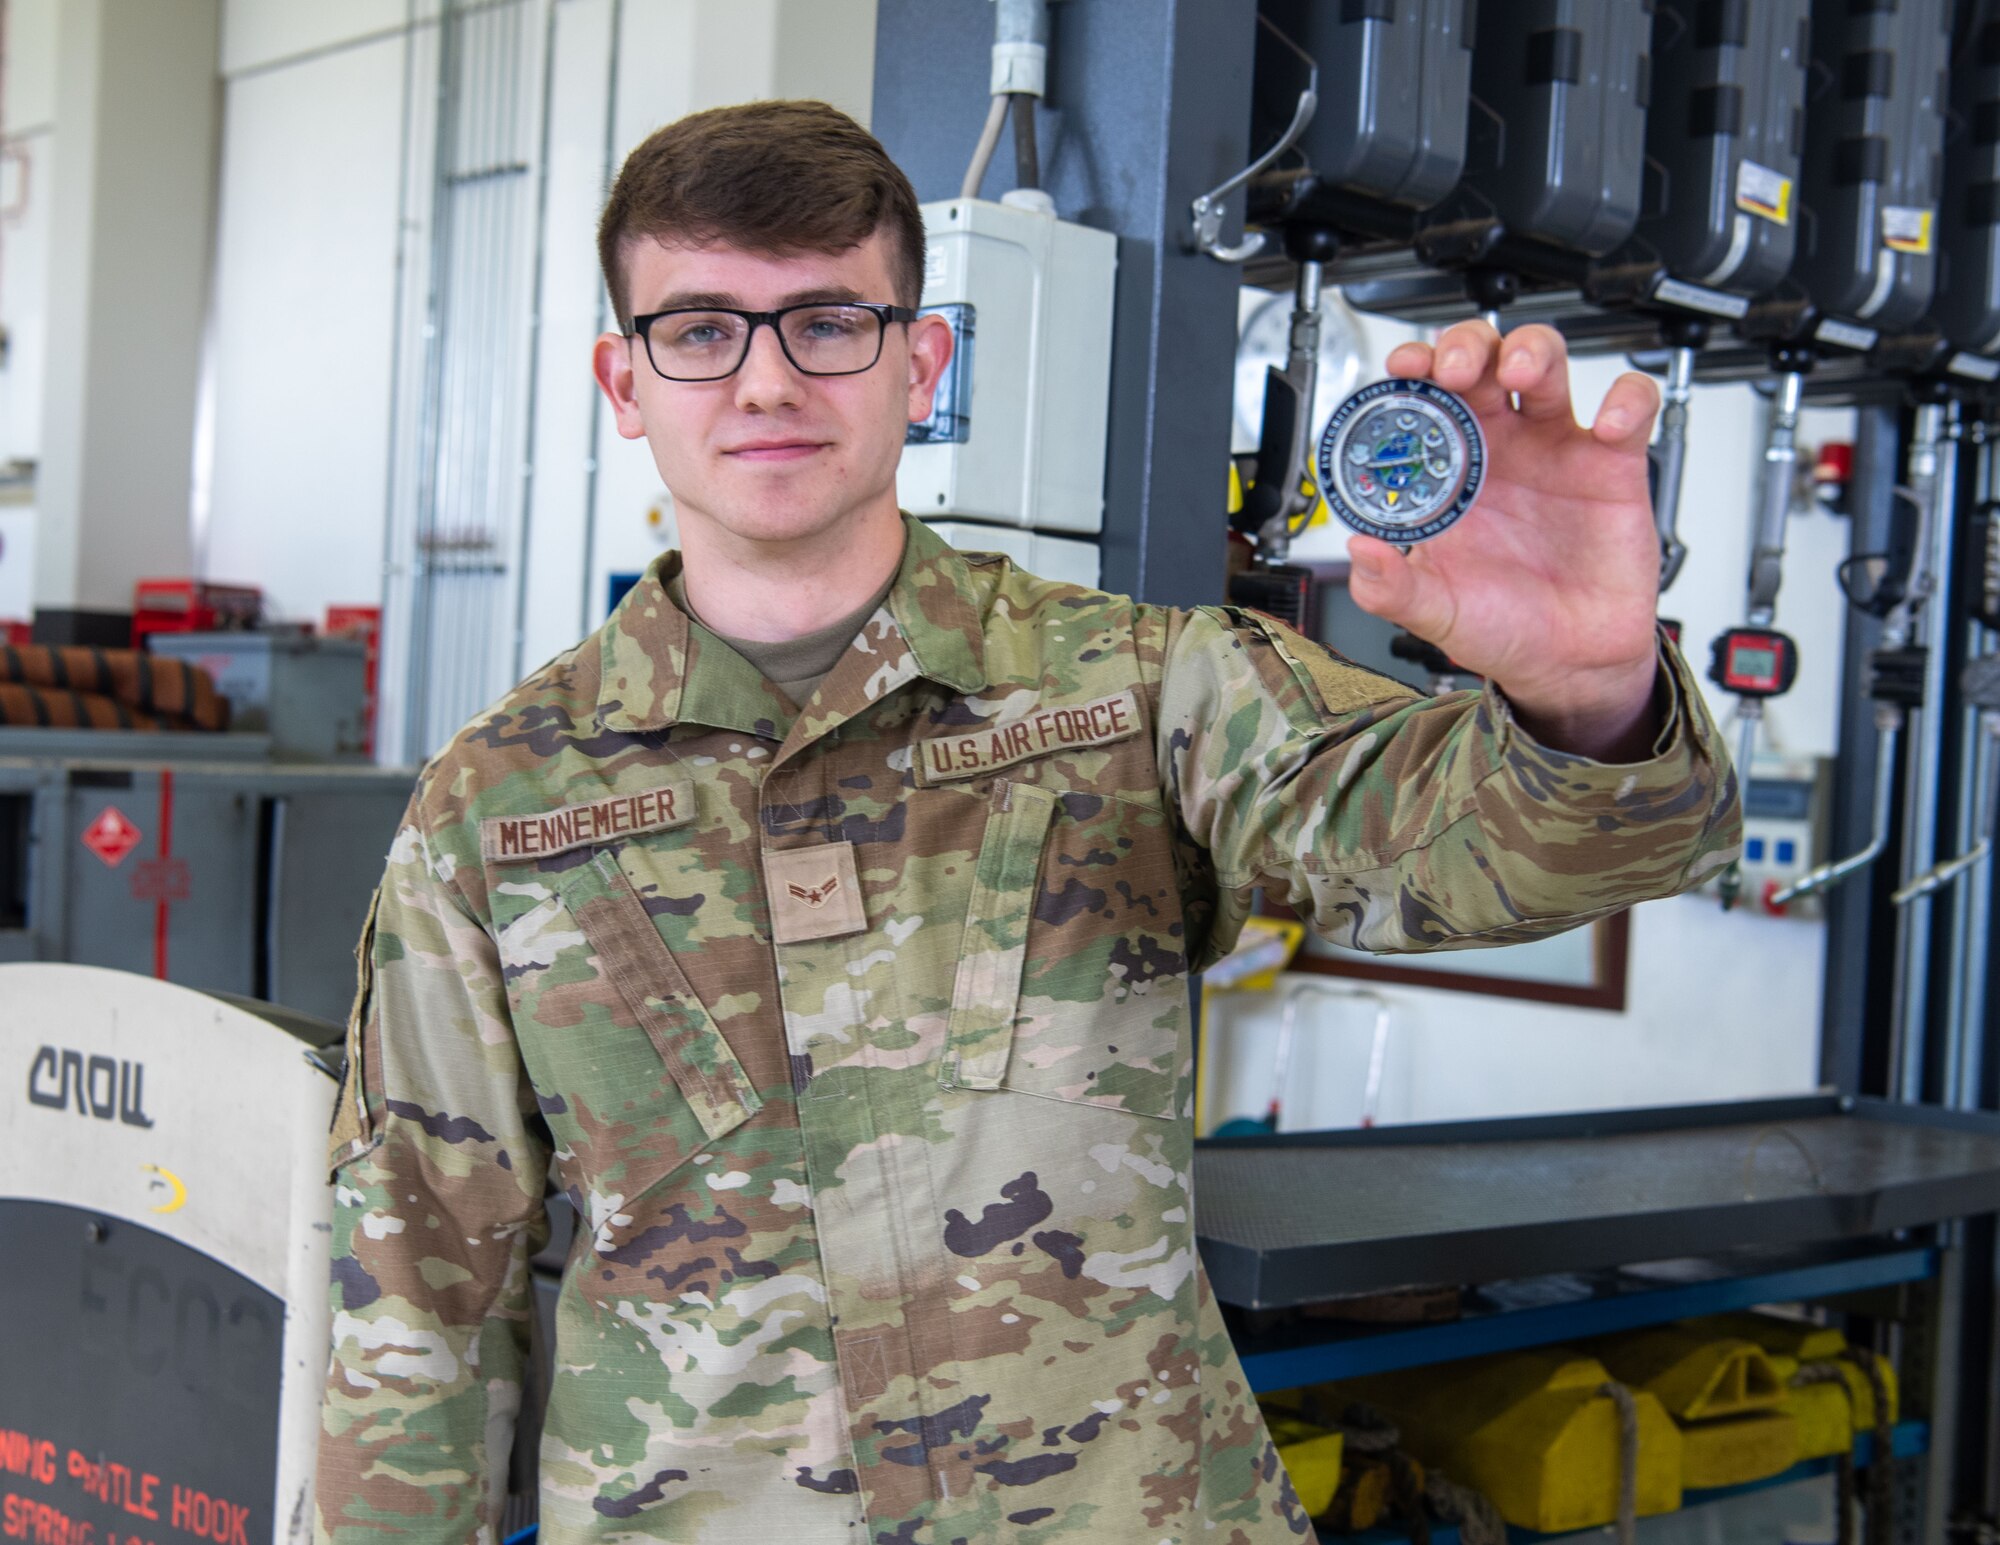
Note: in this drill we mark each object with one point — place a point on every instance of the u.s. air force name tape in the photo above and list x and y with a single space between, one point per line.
575 826
968 753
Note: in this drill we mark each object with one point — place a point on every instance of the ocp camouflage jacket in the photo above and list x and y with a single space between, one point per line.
858 1037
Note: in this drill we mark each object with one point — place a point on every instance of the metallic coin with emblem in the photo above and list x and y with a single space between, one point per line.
1402 460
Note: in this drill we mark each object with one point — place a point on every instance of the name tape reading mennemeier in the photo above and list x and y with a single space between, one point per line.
966 754
575 826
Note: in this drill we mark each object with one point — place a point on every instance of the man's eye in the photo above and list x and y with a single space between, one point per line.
698 334
828 328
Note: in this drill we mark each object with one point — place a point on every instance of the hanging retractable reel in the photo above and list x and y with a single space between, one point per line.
1755 661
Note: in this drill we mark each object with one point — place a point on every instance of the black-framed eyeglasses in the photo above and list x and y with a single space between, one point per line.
708 343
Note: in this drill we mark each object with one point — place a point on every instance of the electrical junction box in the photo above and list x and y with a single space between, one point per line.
1049 557
1785 813
1018 430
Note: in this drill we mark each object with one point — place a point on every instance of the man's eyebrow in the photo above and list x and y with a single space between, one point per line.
698 300
825 295
702 300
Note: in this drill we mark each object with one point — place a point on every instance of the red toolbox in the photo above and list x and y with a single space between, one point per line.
192 606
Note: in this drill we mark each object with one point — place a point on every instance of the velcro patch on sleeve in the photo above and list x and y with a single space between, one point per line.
505 837
1341 686
968 753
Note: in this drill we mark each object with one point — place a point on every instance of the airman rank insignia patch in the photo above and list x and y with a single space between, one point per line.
504 837
968 753
815 893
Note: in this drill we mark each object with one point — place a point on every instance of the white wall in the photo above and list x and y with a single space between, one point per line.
27 137
314 153
27 159
302 324
258 34
1721 1005
131 228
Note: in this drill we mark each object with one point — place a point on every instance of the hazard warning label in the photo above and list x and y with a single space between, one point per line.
111 836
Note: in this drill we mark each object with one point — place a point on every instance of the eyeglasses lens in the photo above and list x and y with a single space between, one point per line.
820 340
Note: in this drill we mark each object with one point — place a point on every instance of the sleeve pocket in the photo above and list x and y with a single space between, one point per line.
355 1129
980 1035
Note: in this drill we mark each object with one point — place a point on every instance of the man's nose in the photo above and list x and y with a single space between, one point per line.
766 379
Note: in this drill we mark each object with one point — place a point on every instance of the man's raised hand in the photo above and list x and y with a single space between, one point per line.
1549 584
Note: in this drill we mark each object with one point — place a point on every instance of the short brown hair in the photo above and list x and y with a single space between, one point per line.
773 177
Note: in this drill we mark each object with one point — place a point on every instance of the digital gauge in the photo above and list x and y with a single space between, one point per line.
1401 460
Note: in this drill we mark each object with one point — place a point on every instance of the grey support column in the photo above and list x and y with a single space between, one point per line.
132 215
1148 107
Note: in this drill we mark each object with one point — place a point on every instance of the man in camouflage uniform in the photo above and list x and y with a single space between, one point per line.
848 998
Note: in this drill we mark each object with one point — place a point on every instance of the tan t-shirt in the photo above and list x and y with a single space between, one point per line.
795 666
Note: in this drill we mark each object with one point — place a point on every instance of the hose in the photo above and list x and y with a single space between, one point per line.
1628 1460
1882 1462
1478 1520
982 154
1832 1373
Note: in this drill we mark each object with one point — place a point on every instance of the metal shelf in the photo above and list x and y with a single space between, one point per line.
1908 1439
1301 1217
1542 1311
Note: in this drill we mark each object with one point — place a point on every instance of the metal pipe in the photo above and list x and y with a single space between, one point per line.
1750 714
588 587
1889 717
1933 462
1965 1021
1767 550
1021 24
1671 459
1781 455
1942 874
1888 725
1969 1018
525 524
390 740
418 741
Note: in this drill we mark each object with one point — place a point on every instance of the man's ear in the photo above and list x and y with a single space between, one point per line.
611 363
931 345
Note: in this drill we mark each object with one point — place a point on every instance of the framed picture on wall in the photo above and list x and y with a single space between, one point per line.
1584 968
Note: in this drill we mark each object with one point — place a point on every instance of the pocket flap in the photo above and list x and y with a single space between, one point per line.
980 1035
354 1131
656 990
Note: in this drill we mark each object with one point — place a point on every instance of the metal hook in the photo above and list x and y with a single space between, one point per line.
1206 213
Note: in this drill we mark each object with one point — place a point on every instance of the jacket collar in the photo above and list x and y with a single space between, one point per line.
660 669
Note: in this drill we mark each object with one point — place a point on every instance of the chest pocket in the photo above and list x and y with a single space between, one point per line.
635 1076
1071 981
